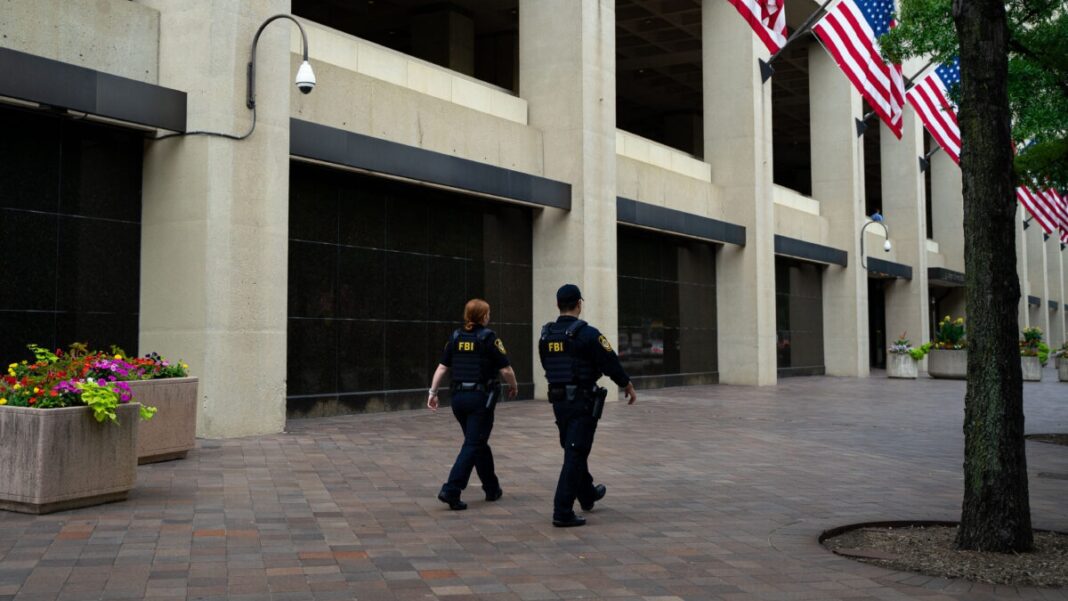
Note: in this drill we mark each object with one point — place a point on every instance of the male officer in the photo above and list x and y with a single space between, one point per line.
575 355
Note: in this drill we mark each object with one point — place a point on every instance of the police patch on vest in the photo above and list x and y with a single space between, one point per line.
604 343
500 346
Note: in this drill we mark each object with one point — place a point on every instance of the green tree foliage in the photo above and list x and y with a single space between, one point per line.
1038 72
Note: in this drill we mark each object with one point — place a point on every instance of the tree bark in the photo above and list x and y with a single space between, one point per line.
996 514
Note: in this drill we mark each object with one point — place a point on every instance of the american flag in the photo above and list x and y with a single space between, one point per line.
930 98
767 18
850 31
1040 208
1059 204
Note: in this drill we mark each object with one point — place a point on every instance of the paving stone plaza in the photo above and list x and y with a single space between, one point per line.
715 492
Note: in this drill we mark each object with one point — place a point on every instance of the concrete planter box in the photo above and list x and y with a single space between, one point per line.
900 365
1032 369
172 431
947 364
1062 371
56 459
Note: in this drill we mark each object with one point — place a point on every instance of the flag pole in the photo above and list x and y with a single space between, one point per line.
766 70
925 160
862 123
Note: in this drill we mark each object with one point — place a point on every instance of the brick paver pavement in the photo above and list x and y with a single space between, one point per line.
714 492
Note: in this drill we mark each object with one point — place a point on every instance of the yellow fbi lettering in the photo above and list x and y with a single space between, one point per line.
465 347
556 347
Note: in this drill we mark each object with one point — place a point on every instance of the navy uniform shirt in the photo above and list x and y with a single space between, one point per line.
595 347
494 355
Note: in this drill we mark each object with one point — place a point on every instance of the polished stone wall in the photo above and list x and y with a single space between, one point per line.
799 317
379 272
667 308
70 233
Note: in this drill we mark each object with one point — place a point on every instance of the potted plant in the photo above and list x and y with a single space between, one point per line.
155 381
1033 354
1060 356
903 358
1062 363
69 438
949 356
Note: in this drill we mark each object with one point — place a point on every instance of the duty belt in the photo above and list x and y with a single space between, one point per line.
570 392
469 386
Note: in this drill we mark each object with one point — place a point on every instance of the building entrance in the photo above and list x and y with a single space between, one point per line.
877 339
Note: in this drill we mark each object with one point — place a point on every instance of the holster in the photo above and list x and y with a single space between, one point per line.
494 388
599 395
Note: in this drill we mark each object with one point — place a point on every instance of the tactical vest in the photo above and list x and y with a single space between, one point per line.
558 346
468 352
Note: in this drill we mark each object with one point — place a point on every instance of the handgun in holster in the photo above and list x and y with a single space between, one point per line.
494 389
598 395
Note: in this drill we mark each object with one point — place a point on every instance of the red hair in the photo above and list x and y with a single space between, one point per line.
475 312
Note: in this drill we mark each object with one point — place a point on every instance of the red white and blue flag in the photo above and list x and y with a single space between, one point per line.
767 18
930 98
1059 205
1039 208
850 31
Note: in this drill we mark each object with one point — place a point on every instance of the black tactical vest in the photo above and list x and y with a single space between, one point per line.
557 349
468 356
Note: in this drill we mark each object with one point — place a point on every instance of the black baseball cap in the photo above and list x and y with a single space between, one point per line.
568 293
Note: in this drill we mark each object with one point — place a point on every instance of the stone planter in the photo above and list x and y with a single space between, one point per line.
56 459
901 365
947 364
172 431
1032 369
1062 371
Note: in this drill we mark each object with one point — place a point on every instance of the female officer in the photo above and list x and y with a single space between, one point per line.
475 356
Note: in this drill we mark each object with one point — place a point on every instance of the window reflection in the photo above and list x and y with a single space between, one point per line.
799 317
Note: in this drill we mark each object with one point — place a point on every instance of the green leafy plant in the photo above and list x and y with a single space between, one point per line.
920 352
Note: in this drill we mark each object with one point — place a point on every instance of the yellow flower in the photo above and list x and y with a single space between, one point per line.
960 321
118 356
185 366
3 401
17 386
13 365
36 390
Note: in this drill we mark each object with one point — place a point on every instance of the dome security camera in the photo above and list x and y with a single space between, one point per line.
305 78
886 246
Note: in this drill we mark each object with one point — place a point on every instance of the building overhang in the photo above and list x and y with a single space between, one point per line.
1034 300
947 278
346 149
51 84
882 269
1054 305
810 251
672 221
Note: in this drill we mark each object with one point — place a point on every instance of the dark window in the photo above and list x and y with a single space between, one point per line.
379 272
667 308
873 170
70 233
791 139
927 142
799 317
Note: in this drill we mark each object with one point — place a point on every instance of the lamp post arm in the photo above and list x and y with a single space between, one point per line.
250 98
863 256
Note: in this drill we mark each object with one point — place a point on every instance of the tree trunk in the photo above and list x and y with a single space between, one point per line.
996 514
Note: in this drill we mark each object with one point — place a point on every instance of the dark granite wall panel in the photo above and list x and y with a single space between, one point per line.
379 272
799 317
667 308
70 233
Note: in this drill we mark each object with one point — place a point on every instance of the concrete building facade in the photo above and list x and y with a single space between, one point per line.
492 148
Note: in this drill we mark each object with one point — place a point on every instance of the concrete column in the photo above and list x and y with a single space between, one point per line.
1055 287
737 143
838 183
446 37
1036 274
215 218
947 210
904 205
1021 268
567 75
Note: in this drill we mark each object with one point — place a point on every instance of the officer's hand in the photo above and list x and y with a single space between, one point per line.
629 393
432 402
512 392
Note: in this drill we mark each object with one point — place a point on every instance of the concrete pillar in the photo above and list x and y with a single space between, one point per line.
947 210
737 143
567 75
1021 267
215 217
1055 287
904 205
1036 274
445 36
838 183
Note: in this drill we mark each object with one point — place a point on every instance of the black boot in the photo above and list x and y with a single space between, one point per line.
600 489
454 503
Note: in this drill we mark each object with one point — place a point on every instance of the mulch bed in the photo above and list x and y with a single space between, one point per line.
1061 439
930 550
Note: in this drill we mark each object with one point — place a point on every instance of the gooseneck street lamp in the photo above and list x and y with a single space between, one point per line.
876 218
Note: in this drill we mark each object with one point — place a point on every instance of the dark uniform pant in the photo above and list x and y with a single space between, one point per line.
476 422
575 421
